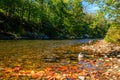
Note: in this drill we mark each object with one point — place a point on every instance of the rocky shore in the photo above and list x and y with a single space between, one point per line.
102 48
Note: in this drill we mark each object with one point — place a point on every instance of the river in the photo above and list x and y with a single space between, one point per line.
33 53
10 45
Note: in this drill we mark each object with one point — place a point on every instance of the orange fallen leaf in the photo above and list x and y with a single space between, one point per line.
8 70
16 69
50 73
48 69
22 72
27 72
19 74
74 67
58 76
64 68
34 76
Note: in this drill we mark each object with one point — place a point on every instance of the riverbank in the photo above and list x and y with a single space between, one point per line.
102 48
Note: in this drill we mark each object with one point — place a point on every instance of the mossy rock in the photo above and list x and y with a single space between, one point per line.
113 34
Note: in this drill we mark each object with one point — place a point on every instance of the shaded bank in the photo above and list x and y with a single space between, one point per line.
33 36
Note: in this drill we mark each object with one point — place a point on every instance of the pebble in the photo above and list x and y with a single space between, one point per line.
32 72
111 58
116 66
81 77
118 60
1 69
109 70
118 56
118 70
80 56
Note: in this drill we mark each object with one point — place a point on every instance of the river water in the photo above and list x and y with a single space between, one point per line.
12 46
31 53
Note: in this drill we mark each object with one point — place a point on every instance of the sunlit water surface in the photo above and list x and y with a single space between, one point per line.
29 53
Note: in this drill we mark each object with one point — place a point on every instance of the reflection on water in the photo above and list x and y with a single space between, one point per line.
42 45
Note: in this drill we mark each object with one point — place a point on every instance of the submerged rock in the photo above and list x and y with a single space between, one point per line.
81 77
114 54
81 56
50 59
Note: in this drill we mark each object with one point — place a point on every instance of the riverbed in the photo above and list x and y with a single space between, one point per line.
56 59
34 53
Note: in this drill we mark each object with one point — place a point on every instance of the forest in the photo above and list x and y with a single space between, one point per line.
58 19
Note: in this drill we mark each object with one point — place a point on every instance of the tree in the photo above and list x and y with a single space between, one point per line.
110 10
55 18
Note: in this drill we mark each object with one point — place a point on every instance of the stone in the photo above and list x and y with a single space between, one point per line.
80 56
81 77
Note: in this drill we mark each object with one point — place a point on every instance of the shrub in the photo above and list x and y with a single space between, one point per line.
113 34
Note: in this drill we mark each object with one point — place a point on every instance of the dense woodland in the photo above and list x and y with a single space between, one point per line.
59 19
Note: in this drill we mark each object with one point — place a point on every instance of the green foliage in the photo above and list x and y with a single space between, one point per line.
111 8
113 34
54 18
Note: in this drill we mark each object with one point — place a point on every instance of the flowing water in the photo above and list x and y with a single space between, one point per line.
8 46
30 53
